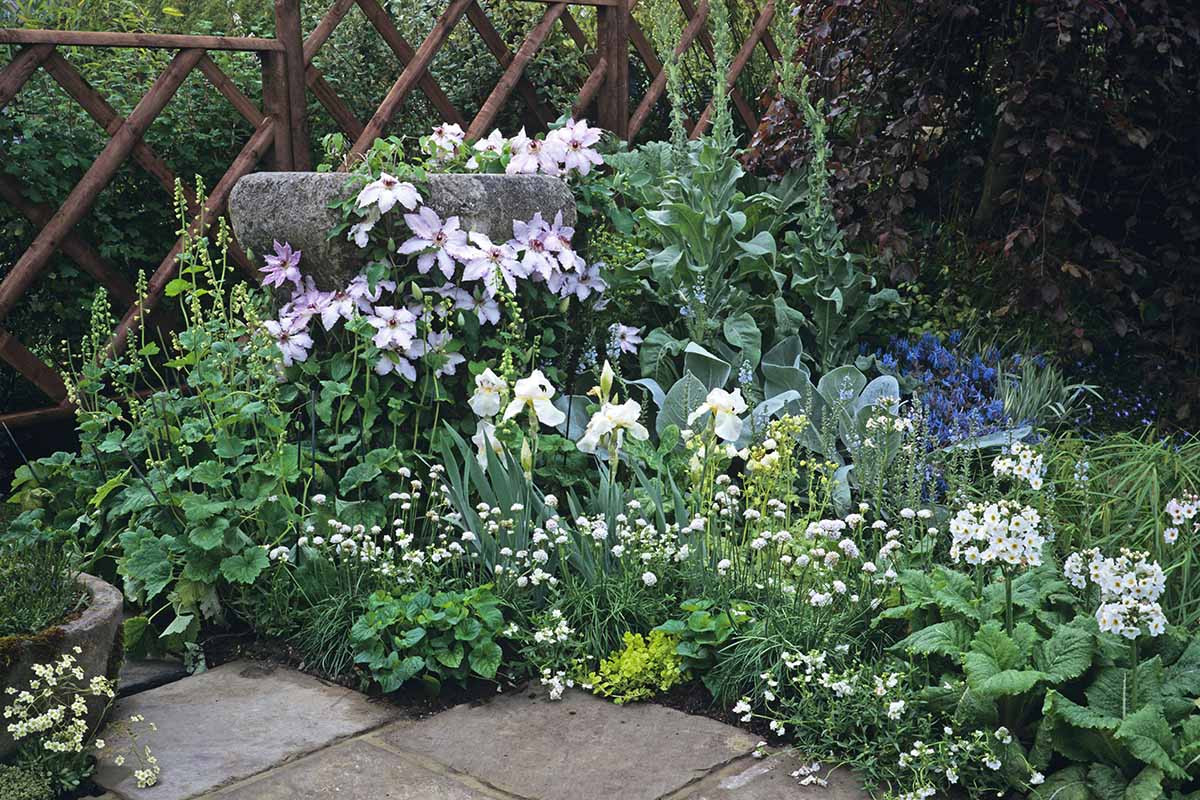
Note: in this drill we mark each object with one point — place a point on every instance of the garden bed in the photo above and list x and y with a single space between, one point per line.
648 435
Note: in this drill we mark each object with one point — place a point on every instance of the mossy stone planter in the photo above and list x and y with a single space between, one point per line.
96 631
293 207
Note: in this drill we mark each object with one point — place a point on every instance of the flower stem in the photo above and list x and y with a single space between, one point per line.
1008 603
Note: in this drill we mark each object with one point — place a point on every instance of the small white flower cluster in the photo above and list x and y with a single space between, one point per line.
1001 532
395 553
944 758
558 681
810 775
1181 512
1130 586
559 633
1023 463
54 711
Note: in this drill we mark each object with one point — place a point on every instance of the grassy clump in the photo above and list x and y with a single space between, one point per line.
38 587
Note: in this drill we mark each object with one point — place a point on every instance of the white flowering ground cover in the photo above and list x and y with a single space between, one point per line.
628 455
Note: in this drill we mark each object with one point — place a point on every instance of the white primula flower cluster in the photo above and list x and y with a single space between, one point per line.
1181 513
1002 532
1130 587
1023 463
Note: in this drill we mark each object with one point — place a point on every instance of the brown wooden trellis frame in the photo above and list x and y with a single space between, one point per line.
280 127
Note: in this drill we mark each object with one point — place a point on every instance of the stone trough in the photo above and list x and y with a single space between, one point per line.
294 207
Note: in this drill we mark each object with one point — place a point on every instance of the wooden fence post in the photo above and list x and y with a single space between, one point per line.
287 31
612 41
275 107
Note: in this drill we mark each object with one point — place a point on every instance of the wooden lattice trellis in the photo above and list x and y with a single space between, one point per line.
280 127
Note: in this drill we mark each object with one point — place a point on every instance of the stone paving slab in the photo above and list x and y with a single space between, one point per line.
771 779
233 722
353 770
578 748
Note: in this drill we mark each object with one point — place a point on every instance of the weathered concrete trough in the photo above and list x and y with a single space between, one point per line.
96 631
294 207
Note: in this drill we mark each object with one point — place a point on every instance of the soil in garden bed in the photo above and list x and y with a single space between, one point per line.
695 698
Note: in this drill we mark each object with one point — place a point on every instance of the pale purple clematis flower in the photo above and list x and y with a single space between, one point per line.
558 239
447 137
435 343
485 258
540 249
338 305
362 294
484 306
390 361
626 337
589 281
305 304
493 143
435 240
395 328
291 339
386 192
534 155
578 141
282 267
360 232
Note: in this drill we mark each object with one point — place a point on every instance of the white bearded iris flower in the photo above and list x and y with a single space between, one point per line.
484 438
610 423
726 408
534 393
488 388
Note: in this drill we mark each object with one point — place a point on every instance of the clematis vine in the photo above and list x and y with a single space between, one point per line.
395 328
534 155
291 339
625 338
578 142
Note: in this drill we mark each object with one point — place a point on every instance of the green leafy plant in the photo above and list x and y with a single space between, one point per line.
644 667
438 637
703 633
20 783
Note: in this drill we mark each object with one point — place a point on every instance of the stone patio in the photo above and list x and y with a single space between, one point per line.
249 731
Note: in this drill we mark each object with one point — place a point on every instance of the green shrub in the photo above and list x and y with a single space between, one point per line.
18 783
702 633
640 670
449 635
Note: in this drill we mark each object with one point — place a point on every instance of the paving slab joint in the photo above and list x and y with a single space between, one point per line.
438 768
714 774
